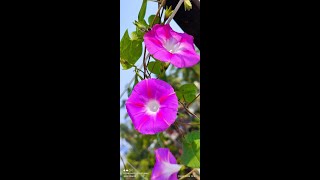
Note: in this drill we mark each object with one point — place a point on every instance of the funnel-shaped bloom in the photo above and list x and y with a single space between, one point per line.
166 167
152 106
169 46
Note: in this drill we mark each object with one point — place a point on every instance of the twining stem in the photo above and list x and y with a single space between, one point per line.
161 13
124 165
144 54
187 175
157 14
163 71
148 57
135 169
139 75
195 175
131 81
189 110
137 68
159 140
168 21
144 62
193 100
192 124
179 130
153 65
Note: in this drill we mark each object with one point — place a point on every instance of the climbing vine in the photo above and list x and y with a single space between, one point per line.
163 102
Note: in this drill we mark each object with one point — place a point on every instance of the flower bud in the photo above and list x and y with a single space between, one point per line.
187 5
141 26
168 13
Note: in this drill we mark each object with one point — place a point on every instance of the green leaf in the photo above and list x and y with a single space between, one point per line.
144 22
179 94
187 92
155 67
156 21
142 11
130 51
191 150
189 97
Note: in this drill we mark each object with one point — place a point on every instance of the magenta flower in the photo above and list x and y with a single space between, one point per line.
166 167
169 46
152 106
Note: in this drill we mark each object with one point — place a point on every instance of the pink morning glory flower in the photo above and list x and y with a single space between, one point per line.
152 106
166 167
169 46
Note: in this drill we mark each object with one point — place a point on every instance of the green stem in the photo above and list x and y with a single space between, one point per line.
157 14
137 69
144 63
187 175
188 111
159 140
163 70
141 78
192 124
124 165
193 100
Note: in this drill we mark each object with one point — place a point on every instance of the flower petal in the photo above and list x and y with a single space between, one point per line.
184 59
165 171
177 36
187 40
159 88
162 32
135 108
152 121
169 101
164 154
162 121
166 45
167 116
144 123
165 166
163 55
153 44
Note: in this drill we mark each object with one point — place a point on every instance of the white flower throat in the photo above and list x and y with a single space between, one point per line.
153 106
172 45
169 169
